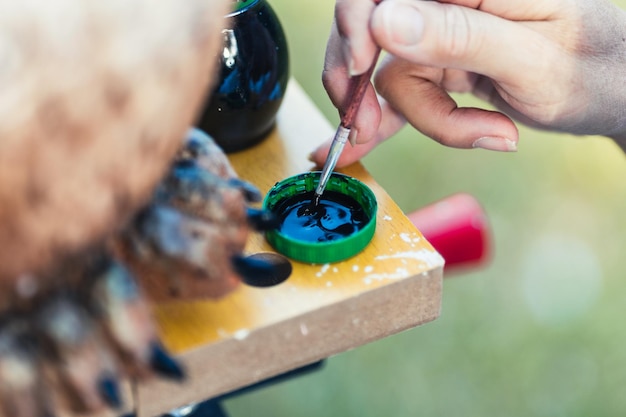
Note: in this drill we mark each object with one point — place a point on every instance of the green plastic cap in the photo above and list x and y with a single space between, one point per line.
327 251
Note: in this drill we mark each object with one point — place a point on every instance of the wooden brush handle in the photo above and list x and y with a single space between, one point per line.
359 86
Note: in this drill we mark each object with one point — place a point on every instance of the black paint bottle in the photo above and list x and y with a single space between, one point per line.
254 70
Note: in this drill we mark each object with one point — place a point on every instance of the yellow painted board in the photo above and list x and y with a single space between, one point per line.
255 333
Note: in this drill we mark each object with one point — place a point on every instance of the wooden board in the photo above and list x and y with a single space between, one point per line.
256 333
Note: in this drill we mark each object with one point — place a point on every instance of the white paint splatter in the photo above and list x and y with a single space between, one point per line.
329 284
322 271
431 258
241 334
381 277
335 269
355 268
402 271
304 329
368 269
406 237
387 217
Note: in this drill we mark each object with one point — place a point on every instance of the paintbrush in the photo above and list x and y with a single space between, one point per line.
359 86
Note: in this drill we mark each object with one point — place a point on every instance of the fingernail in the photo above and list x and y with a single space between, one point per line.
347 56
403 24
162 363
352 136
251 268
110 392
495 144
262 220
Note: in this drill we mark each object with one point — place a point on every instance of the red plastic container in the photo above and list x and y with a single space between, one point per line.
458 229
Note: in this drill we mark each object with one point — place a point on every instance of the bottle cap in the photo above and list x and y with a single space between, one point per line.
329 250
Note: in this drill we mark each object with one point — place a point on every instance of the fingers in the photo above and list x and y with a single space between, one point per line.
189 241
21 387
126 318
69 346
202 193
338 83
514 9
82 365
200 148
391 122
177 255
451 37
72 347
417 93
355 41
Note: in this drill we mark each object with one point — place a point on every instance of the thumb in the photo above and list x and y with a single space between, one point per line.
452 36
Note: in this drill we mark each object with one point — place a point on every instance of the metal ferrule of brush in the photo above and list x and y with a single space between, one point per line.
339 141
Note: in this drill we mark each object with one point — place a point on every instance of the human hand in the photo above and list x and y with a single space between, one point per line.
96 99
70 334
554 65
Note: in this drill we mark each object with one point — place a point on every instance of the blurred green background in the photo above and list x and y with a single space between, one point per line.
539 332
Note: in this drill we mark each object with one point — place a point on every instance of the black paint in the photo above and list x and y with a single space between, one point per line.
164 364
336 216
280 271
261 270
